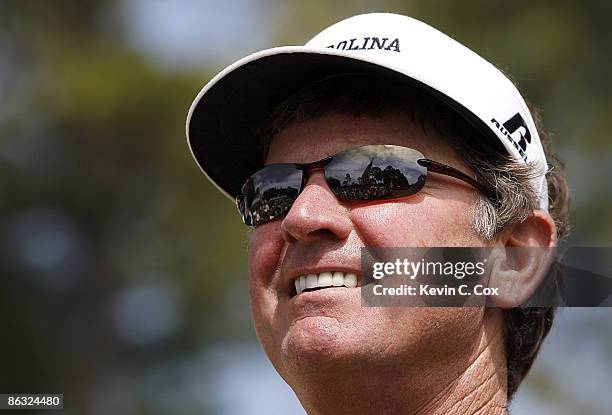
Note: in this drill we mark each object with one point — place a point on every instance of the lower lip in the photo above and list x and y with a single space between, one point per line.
327 302
325 294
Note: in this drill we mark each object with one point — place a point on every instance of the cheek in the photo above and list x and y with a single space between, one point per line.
429 222
265 250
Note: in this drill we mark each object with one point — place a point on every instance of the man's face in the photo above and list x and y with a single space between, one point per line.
328 328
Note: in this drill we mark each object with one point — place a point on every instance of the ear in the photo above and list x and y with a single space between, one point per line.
537 230
522 258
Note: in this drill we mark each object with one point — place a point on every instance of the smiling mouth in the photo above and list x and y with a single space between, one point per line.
323 280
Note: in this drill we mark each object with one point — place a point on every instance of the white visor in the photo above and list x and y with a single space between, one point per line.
223 118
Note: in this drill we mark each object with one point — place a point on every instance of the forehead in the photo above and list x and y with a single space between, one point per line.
307 141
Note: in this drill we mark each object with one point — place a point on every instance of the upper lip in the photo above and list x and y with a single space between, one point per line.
288 280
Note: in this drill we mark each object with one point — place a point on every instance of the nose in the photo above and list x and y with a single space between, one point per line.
316 214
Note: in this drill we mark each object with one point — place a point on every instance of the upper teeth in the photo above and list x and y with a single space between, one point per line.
325 279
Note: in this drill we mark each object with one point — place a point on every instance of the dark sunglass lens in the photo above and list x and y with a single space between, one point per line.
269 193
376 172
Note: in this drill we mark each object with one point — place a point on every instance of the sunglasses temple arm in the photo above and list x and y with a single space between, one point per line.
447 170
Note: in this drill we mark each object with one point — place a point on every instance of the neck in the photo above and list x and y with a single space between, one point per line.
473 384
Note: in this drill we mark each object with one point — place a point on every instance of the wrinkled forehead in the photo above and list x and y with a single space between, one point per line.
311 140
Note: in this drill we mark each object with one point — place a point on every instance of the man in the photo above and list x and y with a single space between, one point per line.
473 171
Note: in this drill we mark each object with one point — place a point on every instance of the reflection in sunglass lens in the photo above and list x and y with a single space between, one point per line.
269 193
375 172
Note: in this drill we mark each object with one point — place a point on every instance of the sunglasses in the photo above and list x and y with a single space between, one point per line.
373 172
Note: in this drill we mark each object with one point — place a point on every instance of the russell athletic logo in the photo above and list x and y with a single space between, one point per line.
515 126
368 43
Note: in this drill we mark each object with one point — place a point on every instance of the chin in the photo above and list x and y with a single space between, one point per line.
314 343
